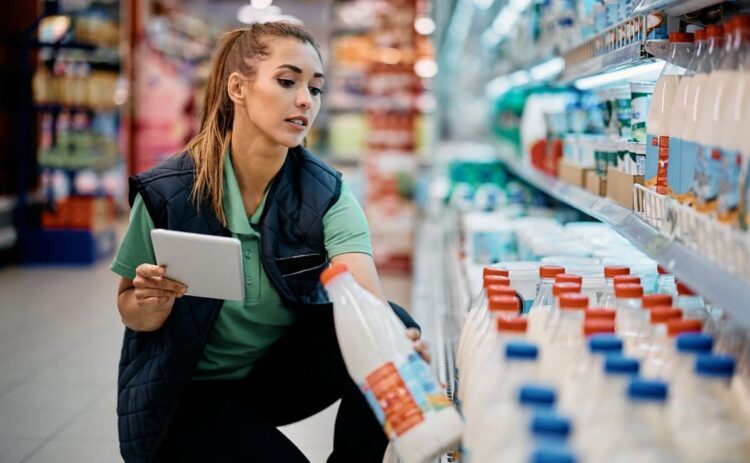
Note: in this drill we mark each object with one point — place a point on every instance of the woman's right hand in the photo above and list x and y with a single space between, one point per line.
154 292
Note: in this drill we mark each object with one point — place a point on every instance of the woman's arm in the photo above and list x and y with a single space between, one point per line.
145 302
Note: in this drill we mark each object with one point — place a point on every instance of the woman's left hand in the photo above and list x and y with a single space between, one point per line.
420 346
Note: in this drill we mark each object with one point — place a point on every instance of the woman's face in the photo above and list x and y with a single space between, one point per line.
284 98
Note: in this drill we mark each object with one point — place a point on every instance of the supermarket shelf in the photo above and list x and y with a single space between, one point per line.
713 282
674 7
629 55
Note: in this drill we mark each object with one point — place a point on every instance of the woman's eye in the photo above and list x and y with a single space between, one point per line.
315 91
286 83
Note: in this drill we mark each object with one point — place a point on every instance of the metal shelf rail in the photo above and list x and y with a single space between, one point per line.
722 288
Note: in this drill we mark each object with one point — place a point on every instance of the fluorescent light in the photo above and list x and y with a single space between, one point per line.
500 85
484 4
248 14
547 70
260 4
424 25
648 72
426 68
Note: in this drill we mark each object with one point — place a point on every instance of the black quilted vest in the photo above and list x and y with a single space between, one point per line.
156 366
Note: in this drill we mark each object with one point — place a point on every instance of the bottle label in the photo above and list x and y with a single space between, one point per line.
729 185
652 159
400 396
688 161
681 169
624 117
663 165
706 179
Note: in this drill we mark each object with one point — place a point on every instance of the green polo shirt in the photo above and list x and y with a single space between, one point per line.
245 329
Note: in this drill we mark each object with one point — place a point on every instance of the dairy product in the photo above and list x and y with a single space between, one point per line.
681 167
640 102
413 409
657 140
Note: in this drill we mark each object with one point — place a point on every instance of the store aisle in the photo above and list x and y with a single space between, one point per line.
59 346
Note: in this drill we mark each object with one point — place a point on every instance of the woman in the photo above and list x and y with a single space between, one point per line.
209 380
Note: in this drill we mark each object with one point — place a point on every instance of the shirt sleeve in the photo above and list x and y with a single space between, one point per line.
345 226
136 247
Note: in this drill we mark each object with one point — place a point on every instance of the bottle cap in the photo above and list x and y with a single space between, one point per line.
490 280
605 343
550 424
628 290
568 278
573 301
536 394
700 34
550 271
680 37
618 365
626 279
647 389
565 288
662 314
495 271
742 21
715 365
694 343
611 271
600 313
504 303
512 324
715 31
521 350
598 326
500 290
333 271
552 454
675 327
654 300
684 290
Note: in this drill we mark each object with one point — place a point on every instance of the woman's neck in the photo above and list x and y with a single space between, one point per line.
256 162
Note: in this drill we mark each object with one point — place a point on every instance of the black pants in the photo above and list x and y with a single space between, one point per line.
302 374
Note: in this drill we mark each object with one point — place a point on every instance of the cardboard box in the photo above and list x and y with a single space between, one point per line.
596 184
571 173
620 186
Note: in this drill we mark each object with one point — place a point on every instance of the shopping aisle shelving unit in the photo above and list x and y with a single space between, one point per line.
701 274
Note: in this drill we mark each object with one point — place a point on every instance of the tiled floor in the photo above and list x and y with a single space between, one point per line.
59 346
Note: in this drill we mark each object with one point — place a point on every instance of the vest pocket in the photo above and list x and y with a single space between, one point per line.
302 273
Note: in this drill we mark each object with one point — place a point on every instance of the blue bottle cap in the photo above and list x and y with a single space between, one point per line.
694 343
646 389
715 365
619 365
536 395
552 454
521 350
550 424
605 343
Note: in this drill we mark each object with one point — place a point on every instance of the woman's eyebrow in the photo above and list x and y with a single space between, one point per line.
297 70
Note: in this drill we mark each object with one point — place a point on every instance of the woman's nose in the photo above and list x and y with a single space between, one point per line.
304 100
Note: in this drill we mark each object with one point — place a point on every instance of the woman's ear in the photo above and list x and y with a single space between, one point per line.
236 87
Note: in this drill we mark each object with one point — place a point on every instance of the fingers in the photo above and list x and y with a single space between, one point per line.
413 334
150 276
423 349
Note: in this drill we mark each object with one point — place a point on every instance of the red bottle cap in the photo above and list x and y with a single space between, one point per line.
332 271
550 271
565 288
490 280
598 326
654 300
665 314
684 290
504 303
715 31
600 313
675 327
495 271
623 279
628 290
700 34
680 37
515 324
611 271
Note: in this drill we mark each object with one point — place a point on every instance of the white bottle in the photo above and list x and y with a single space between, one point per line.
544 299
589 369
657 125
631 318
680 175
686 347
708 154
610 272
415 413
730 111
565 344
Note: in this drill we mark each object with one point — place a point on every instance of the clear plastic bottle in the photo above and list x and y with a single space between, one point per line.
665 282
545 453
649 301
611 271
600 313
705 401
543 300
657 341
692 304
566 341
631 318
544 428
414 410
584 372
542 328
686 347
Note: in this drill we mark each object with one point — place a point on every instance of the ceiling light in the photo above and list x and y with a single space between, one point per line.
260 4
424 25
426 68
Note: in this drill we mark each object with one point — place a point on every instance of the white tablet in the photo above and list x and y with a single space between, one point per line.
210 266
